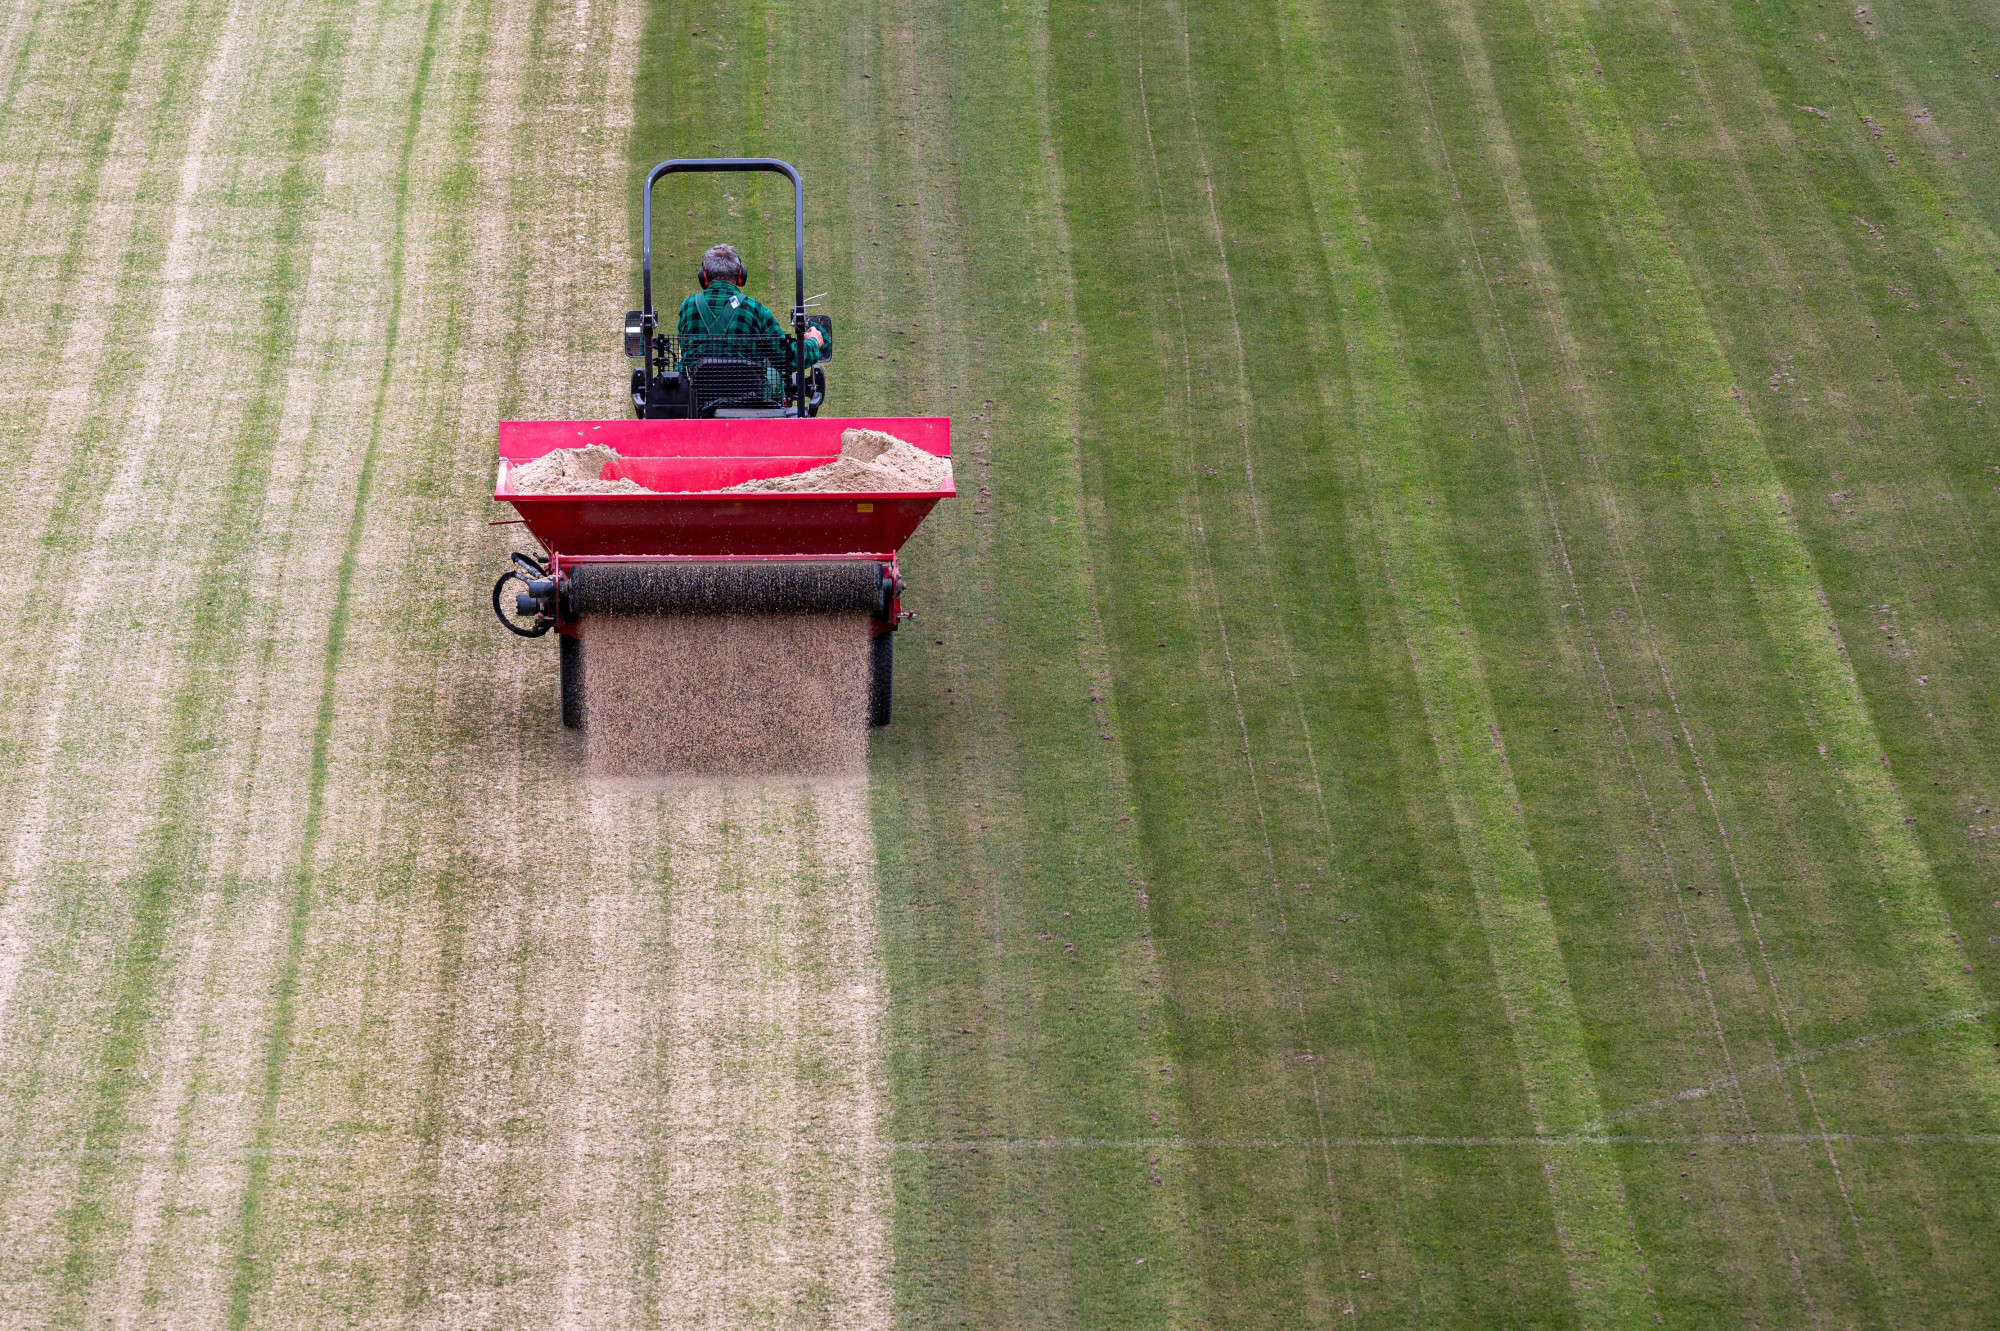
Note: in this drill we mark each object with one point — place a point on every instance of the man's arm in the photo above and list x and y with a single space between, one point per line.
770 327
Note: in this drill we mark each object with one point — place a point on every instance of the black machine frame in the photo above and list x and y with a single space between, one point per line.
803 389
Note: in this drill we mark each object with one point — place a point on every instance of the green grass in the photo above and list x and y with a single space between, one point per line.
1463 524
1445 768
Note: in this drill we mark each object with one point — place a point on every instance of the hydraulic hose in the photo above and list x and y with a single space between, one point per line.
513 626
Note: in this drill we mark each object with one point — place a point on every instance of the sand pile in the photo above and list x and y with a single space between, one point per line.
570 471
726 695
869 461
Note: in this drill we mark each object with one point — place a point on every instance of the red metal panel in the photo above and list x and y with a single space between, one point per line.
704 455
814 436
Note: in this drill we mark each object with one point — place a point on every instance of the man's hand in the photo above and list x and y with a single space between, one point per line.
814 335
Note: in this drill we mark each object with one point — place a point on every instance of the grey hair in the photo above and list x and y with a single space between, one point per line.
721 264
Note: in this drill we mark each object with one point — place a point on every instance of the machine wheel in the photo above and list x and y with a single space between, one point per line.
572 680
881 672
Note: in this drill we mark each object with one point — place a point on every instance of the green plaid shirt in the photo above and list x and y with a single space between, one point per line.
721 320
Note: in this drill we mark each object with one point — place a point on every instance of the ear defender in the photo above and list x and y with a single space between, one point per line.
742 277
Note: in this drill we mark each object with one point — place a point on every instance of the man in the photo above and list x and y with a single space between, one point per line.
720 320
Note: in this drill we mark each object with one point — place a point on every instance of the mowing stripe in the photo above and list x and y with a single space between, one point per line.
167 965
1503 159
999 792
69 209
172 530
99 573
1172 1205
99 218
1579 398
1923 186
777 1010
1756 516
1211 583
326 434
545 1055
1152 1211
1606 1271
245 1277
94 192
18 21
1927 512
1914 551
562 994
432 940
32 822
1834 414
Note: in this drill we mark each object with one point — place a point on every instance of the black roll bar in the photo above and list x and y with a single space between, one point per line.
771 164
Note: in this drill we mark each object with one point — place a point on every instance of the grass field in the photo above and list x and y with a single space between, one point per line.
1444 774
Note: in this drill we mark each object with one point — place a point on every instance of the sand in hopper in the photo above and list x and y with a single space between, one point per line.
869 461
570 471
726 695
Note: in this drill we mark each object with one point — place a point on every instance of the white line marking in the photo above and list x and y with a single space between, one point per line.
1783 1065
739 1146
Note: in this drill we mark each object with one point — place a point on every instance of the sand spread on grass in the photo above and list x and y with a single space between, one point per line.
726 695
869 461
570 471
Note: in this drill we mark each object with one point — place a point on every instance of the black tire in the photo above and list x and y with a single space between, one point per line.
572 680
881 674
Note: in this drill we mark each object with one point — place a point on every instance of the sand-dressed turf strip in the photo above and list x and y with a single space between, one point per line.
293 876
728 1165
1444 766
